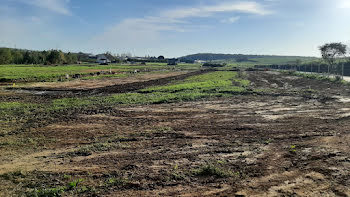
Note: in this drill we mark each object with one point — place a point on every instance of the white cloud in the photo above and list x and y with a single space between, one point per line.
230 20
344 4
205 11
149 29
57 6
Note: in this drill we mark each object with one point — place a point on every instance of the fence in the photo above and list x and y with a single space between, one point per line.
312 67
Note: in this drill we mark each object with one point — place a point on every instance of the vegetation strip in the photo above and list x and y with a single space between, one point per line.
122 88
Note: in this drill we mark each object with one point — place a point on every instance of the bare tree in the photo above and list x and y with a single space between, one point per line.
330 52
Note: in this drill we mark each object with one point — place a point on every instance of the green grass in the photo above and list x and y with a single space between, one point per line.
317 76
10 109
13 73
209 85
72 187
206 83
215 84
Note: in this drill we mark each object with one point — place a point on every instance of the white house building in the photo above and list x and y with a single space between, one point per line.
101 59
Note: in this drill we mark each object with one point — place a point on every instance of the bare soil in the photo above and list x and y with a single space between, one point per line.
292 139
82 84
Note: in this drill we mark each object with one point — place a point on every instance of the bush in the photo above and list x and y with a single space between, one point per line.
212 170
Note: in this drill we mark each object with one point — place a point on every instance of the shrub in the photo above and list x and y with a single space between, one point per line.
212 170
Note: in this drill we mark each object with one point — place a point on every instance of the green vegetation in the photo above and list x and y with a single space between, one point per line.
10 109
318 76
18 56
48 192
34 73
111 182
215 84
209 85
292 149
72 187
212 170
240 60
53 73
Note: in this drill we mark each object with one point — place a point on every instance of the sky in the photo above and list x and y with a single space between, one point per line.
174 28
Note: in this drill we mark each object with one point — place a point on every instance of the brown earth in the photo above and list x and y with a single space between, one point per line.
292 139
82 84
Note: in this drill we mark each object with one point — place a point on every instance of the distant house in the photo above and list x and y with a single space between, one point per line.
173 62
102 59
200 61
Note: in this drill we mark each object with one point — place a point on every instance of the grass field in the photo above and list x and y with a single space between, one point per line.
12 73
203 133
216 84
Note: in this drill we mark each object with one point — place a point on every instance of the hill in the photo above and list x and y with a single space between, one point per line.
241 58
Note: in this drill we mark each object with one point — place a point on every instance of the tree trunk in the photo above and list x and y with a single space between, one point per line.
328 71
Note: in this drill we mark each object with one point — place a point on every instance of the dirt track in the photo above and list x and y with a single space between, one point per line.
118 88
290 140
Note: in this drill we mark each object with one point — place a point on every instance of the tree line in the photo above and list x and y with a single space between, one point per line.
335 62
19 56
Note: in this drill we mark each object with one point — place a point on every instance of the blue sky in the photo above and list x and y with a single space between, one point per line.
175 27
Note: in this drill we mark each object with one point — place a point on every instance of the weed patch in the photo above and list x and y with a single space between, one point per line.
212 170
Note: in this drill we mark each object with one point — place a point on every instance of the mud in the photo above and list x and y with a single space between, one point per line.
112 89
290 139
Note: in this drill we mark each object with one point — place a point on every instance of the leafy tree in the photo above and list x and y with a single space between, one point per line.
5 56
330 52
17 57
71 58
53 57
62 58
26 58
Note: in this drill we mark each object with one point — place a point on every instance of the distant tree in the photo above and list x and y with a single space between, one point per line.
62 57
241 58
298 63
110 56
35 57
43 57
161 57
330 52
5 56
17 57
71 58
53 57
26 58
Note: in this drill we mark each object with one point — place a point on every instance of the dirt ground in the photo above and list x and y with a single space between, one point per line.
292 139
98 83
